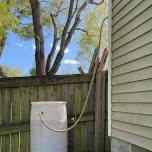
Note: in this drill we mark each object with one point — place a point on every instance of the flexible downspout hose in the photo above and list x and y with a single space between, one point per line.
83 110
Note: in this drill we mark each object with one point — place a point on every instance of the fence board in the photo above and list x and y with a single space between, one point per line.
77 129
49 93
84 91
0 143
1 116
103 111
25 111
91 124
33 94
41 93
100 112
107 138
15 138
70 106
6 118
46 80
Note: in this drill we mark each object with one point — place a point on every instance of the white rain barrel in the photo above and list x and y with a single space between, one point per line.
43 139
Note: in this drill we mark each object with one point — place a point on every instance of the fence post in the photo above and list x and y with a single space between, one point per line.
100 109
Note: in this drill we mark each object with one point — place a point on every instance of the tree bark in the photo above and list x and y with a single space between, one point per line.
2 42
39 37
55 42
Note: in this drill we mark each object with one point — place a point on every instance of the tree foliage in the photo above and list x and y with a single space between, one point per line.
11 72
32 71
8 21
89 37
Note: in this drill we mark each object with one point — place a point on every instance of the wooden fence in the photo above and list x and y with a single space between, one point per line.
16 95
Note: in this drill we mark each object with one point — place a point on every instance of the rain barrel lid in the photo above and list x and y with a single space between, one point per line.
49 102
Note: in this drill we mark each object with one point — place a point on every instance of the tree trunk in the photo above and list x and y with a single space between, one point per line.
39 38
57 63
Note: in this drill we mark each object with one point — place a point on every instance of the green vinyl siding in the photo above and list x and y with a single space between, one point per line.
131 71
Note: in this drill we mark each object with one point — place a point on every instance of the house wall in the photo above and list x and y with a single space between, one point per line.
131 74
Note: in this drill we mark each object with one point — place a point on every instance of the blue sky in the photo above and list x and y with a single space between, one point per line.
20 54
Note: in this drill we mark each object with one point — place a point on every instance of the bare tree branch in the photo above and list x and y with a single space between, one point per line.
55 42
69 18
76 23
43 1
59 8
96 3
76 8
86 32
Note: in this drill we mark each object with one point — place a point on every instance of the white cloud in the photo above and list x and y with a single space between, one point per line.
71 62
58 48
33 46
21 45
66 50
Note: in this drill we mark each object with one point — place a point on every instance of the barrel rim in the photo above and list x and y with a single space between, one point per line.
49 102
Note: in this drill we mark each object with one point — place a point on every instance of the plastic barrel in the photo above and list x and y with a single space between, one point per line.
43 139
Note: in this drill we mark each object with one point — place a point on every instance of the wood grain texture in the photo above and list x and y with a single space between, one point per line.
100 112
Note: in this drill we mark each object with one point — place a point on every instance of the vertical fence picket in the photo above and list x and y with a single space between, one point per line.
6 118
15 118
77 134
33 98
103 111
25 110
1 116
100 112
58 92
64 94
70 107
33 94
0 143
41 93
91 124
84 91
107 138
49 93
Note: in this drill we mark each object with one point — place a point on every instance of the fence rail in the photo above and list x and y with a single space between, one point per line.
16 95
